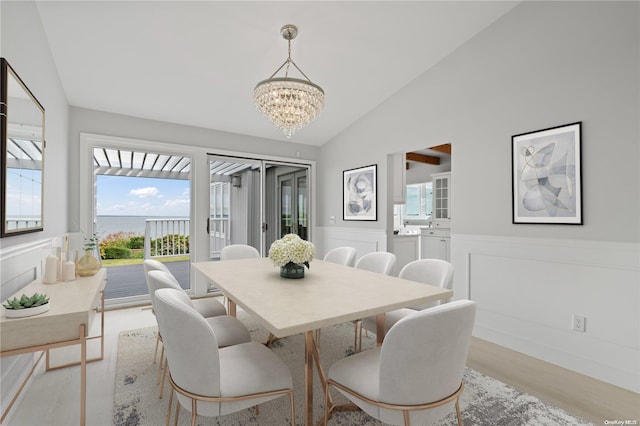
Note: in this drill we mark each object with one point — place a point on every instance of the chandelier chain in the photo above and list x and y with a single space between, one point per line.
286 71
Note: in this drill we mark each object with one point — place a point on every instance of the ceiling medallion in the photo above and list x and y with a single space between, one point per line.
290 103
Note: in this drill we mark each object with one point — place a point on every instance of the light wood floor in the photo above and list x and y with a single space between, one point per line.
54 395
583 396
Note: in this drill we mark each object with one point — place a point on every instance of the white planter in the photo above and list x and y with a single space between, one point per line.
27 312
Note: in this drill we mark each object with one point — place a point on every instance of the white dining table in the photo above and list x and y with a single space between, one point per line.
329 294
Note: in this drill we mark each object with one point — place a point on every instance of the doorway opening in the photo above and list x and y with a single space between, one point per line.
142 211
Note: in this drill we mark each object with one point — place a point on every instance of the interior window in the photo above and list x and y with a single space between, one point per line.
418 201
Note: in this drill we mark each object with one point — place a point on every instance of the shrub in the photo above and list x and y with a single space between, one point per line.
136 242
117 253
117 239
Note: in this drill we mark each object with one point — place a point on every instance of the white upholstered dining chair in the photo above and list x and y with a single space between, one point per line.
341 255
208 307
379 261
212 381
434 272
415 377
382 263
230 330
239 251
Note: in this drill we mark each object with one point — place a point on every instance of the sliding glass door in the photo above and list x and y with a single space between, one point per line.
255 202
234 203
293 195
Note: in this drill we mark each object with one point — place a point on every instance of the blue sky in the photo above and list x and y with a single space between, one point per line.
23 192
134 196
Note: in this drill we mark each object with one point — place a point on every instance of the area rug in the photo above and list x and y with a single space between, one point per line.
485 401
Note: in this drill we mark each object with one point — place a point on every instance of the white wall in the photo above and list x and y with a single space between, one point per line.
543 64
23 43
419 173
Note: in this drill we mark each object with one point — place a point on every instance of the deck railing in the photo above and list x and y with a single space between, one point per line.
166 237
22 223
219 236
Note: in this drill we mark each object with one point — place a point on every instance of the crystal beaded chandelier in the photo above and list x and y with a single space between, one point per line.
290 103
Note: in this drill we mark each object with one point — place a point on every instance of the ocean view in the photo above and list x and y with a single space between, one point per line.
111 224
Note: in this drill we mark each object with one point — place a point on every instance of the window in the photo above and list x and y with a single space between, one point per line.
419 201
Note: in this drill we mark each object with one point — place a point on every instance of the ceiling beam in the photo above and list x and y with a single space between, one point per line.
421 158
446 148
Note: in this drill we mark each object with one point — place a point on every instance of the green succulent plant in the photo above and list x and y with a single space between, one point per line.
25 301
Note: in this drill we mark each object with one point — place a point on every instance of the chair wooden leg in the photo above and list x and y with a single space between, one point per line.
194 412
169 407
177 412
458 411
406 418
325 419
293 413
355 336
155 352
160 364
164 377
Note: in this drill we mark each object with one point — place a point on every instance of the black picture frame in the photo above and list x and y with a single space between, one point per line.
22 152
360 193
547 176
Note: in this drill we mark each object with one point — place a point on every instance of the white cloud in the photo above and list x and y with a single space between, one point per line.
149 191
176 203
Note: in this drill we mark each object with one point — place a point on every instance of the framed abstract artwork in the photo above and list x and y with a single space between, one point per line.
547 178
360 193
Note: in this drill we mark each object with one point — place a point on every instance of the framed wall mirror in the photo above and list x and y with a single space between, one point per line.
21 156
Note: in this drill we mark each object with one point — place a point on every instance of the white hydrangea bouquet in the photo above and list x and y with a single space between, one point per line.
290 253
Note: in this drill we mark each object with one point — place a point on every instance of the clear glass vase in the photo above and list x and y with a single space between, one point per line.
292 270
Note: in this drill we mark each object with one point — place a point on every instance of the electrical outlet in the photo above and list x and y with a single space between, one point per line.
579 323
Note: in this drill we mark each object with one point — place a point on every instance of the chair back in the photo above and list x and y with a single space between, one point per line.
239 251
434 272
153 265
190 343
380 261
161 279
341 255
423 355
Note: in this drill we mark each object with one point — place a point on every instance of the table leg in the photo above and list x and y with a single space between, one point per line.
308 378
232 308
83 376
380 329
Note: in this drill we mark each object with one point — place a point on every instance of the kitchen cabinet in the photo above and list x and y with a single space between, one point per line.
399 174
436 244
441 216
406 248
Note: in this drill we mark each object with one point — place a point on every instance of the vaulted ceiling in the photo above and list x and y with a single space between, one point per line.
196 63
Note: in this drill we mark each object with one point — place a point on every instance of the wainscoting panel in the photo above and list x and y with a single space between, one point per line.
363 240
528 290
19 265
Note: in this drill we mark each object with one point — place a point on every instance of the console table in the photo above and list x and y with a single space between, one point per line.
73 308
